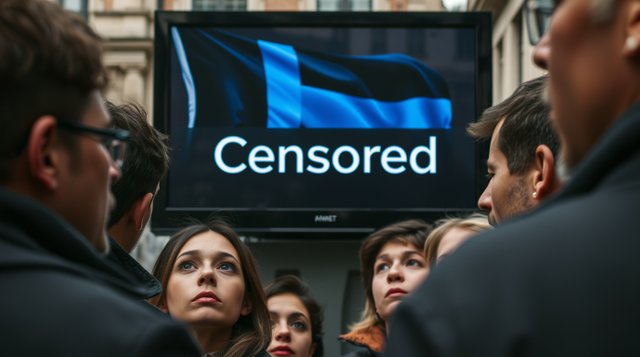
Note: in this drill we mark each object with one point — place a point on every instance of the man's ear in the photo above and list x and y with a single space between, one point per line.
545 180
43 152
631 46
141 209
246 307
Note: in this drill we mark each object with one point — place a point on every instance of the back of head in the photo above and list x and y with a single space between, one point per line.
147 159
475 223
526 125
291 284
51 63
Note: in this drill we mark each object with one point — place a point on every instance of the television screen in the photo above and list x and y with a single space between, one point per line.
319 122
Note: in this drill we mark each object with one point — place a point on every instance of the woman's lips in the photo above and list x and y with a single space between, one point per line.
206 297
281 351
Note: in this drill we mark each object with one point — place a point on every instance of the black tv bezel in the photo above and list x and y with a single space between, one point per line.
302 222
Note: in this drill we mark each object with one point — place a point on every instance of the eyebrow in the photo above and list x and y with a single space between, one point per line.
296 314
217 256
403 255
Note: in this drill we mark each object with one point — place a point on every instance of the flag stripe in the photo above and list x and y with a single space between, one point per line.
186 77
283 85
328 109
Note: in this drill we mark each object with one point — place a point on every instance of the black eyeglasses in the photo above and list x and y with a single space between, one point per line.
114 140
537 14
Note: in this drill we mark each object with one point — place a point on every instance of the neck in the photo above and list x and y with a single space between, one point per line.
211 339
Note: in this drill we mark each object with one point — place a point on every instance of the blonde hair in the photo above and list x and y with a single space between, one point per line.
475 222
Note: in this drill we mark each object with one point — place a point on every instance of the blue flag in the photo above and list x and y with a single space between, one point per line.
232 80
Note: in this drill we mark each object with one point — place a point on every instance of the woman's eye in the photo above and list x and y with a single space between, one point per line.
382 267
298 325
186 265
227 267
414 263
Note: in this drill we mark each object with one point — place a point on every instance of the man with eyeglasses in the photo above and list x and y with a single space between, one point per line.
58 159
565 279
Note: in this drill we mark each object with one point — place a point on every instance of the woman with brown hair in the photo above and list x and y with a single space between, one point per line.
210 282
393 265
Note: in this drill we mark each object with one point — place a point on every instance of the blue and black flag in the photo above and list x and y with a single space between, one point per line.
233 80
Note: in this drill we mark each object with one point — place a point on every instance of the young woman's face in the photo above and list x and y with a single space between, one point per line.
398 269
291 327
206 286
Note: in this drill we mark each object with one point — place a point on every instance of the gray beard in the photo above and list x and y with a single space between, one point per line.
563 171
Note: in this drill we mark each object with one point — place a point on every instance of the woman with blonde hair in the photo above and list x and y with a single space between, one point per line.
450 233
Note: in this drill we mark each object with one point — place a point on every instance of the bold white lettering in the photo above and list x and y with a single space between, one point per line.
217 154
282 158
431 154
386 158
368 151
254 158
323 161
336 159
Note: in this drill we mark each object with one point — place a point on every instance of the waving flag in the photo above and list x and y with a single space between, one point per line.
232 80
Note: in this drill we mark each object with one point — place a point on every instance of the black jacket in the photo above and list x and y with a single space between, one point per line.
149 285
561 281
61 298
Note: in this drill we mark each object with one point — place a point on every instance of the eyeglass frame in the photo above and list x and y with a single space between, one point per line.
111 138
535 14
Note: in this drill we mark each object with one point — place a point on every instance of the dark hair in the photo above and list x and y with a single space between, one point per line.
147 159
252 333
413 231
526 125
294 285
51 63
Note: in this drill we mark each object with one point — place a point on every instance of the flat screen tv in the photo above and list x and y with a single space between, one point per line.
323 123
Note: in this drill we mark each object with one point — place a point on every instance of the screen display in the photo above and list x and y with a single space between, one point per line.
289 116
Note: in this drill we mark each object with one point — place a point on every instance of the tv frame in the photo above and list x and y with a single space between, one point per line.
310 222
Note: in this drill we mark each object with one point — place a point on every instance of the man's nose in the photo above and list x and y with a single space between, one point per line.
542 51
484 202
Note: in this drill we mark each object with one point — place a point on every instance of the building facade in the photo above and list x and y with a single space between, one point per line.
127 27
512 52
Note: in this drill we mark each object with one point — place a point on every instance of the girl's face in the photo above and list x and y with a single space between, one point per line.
398 269
291 327
206 285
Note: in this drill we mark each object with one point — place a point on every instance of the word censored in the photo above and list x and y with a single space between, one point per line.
320 159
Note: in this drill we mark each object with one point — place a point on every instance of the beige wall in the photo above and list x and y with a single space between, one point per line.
512 63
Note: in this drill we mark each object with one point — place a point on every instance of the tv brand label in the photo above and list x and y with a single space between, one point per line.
328 218
319 159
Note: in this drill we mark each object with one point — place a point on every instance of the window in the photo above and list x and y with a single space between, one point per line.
220 5
79 6
344 5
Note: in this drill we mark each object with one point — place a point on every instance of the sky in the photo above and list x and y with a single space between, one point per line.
449 3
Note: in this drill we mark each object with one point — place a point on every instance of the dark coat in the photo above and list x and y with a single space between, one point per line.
148 283
61 298
561 281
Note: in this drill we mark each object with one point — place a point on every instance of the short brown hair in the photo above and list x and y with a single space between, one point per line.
147 159
51 62
526 125
413 231
251 333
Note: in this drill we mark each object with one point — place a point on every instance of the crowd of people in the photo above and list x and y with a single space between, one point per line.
549 270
